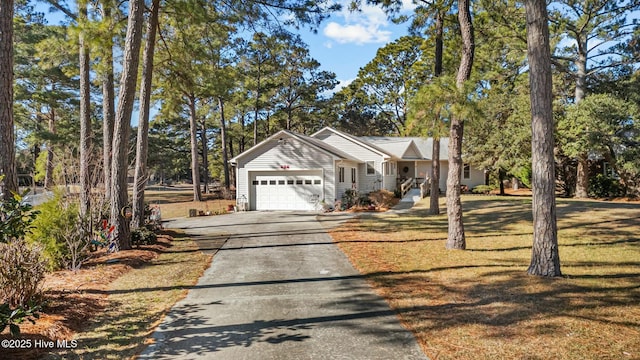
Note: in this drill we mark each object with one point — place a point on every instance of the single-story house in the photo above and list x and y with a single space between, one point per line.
290 171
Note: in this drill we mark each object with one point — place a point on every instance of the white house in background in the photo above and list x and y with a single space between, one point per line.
290 171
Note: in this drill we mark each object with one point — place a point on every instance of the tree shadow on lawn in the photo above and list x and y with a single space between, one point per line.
118 332
518 301
506 306
497 218
484 288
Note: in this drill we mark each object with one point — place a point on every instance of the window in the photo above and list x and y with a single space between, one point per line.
299 182
263 182
466 171
317 182
340 174
280 182
371 168
272 182
289 182
390 168
353 175
307 181
255 182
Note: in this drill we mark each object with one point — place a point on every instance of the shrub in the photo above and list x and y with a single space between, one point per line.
143 236
16 218
349 198
382 198
13 316
482 189
59 230
602 186
363 200
22 269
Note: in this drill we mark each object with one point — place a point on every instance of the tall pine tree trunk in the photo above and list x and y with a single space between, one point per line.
582 171
501 175
108 102
8 175
242 136
545 260
204 141
195 167
434 197
582 177
257 106
48 174
456 237
223 141
122 128
142 145
85 113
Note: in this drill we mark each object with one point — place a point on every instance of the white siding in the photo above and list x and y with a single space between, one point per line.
366 182
346 185
476 176
291 155
423 169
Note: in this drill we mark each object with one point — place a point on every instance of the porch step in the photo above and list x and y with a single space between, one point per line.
412 196
407 202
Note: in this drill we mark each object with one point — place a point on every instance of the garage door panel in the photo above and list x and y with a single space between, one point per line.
287 191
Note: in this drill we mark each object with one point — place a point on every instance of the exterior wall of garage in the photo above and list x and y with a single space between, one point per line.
286 156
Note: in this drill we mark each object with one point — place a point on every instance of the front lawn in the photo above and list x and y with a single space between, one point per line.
481 304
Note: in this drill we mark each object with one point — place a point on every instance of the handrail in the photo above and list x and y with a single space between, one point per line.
425 188
406 186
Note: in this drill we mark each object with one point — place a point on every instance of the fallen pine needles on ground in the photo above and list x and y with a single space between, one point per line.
481 304
111 306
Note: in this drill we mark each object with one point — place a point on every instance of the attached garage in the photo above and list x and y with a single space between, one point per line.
288 171
286 190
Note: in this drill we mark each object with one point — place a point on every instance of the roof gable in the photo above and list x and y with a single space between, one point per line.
283 134
425 145
412 152
401 147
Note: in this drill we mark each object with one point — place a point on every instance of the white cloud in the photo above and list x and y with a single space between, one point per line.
408 6
359 27
357 33
341 85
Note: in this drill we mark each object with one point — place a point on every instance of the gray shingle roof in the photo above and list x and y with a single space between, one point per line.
399 145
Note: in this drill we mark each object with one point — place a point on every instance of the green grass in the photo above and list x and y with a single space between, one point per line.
481 304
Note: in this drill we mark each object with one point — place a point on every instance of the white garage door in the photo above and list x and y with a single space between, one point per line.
287 191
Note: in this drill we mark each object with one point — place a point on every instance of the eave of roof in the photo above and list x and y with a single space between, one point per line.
320 145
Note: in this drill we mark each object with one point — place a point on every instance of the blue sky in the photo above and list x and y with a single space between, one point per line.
343 43
348 40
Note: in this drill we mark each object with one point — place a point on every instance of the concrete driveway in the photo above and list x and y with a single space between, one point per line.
278 288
